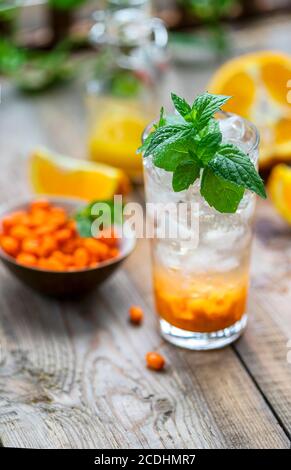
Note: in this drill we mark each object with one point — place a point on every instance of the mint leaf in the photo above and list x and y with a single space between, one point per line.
190 142
170 159
84 226
204 107
167 145
208 145
146 144
220 194
166 135
181 105
232 164
185 174
85 217
162 121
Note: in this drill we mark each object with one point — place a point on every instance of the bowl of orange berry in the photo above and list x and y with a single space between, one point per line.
42 245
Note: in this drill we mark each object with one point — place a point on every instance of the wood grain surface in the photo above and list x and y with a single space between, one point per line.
72 373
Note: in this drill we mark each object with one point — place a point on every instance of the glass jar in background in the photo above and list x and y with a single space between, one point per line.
122 95
201 287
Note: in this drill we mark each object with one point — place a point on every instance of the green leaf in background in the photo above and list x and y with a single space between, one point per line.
231 164
185 174
83 226
220 194
84 217
11 57
125 84
66 4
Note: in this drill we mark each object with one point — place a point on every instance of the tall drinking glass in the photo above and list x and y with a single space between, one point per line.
201 289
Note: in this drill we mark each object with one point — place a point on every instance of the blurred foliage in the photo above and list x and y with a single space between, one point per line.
209 10
119 82
36 70
210 13
86 216
66 4
11 57
7 10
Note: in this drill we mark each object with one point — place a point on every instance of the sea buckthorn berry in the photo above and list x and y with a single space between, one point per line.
62 257
70 246
40 204
63 235
96 248
42 263
81 257
20 232
45 236
31 245
113 252
93 264
58 216
53 264
155 361
17 216
109 236
45 229
37 219
7 223
135 314
72 225
47 245
26 259
9 245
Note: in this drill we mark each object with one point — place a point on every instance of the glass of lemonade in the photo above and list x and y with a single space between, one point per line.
201 289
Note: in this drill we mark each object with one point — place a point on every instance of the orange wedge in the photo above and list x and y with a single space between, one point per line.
279 186
114 140
260 86
66 176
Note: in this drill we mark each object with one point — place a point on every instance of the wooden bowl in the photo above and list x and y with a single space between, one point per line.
63 283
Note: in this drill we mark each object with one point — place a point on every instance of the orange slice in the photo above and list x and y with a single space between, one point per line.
116 127
279 186
66 176
260 86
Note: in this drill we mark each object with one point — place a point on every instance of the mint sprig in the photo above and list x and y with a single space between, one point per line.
190 146
85 216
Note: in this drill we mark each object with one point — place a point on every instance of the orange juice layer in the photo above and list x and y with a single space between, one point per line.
207 303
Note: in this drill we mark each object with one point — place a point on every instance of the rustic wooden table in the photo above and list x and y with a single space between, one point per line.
72 373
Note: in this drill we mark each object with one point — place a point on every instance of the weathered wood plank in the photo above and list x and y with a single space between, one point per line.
74 376
264 346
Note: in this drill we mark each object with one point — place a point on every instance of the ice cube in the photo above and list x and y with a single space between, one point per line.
232 128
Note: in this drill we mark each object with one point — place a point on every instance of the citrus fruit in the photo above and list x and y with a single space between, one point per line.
115 136
66 176
279 186
259 84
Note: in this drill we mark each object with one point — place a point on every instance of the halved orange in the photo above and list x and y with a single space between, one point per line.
279 187
66 176
260 86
